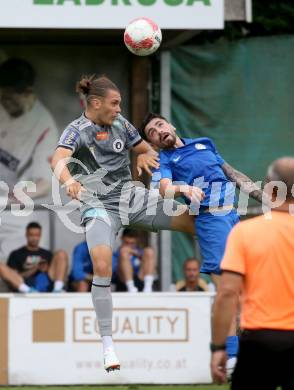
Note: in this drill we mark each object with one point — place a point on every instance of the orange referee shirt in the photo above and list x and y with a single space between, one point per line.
262 250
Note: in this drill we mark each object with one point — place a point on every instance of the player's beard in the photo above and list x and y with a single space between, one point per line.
168 142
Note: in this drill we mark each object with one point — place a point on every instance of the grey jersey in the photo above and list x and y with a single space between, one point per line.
101 154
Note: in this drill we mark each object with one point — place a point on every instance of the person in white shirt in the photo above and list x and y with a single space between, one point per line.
28 136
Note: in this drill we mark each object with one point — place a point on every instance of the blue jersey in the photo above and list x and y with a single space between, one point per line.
198 163
81 262
136 261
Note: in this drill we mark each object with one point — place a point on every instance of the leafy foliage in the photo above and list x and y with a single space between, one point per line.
270 17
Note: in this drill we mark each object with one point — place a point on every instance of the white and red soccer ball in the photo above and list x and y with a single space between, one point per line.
142 36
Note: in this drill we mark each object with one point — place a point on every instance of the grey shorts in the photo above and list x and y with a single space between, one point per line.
140 208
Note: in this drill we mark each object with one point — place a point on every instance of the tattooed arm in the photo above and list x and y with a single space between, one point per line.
243 182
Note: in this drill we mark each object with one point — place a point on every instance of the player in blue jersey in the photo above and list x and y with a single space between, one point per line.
196 162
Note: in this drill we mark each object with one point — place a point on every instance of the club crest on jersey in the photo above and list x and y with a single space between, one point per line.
118 145
200 146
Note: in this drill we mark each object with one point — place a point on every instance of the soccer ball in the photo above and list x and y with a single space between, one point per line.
142 36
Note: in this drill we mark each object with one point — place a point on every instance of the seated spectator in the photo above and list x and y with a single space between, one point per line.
34 269
81 274
192 281
133 267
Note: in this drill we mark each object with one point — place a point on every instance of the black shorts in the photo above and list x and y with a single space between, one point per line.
265 360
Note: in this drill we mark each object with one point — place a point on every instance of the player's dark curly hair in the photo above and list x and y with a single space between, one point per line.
146 120
91 86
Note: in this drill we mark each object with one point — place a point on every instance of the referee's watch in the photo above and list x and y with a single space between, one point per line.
217 347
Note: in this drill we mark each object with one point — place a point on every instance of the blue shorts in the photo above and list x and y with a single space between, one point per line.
41 282
212 231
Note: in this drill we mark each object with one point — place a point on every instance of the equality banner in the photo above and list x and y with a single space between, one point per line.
160 338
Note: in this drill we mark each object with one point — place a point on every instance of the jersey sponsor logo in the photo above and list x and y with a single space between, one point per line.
118 145
200 146
176 159
71 137
8 160
102 136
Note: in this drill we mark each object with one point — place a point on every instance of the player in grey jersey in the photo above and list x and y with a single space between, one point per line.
99 141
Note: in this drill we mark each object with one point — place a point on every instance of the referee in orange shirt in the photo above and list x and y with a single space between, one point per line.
259 265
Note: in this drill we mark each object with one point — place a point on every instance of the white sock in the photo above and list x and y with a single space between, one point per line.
107 342
148 281
24 288
130 285
58 285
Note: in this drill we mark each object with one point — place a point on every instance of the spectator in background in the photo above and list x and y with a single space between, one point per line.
192 281
34 269
133 267
81 274
28 137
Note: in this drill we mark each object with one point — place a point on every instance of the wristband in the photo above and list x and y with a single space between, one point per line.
217 347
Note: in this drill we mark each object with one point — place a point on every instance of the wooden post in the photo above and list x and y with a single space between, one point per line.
140 86
140 82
